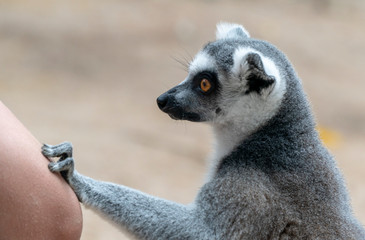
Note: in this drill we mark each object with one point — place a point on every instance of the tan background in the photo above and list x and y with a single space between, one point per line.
90 71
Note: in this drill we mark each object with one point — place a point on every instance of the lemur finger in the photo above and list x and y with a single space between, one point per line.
63 150
64 165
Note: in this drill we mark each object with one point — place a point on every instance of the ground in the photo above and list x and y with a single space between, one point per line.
90 72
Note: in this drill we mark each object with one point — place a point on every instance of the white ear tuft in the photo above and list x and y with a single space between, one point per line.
230 30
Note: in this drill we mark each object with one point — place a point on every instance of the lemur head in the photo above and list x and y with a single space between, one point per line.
234 81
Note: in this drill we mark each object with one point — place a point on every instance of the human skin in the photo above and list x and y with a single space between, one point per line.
34 203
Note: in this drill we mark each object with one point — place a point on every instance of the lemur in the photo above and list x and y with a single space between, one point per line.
270 175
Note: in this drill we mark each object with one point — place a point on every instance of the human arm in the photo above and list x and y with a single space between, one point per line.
34 203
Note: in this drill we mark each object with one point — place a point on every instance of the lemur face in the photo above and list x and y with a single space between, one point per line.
195 99
228 79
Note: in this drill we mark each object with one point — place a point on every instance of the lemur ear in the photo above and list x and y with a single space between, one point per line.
230 30
257 80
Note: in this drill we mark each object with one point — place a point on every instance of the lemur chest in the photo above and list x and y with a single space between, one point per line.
242 196
242 205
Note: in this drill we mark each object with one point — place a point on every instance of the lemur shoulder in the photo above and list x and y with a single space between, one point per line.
270 175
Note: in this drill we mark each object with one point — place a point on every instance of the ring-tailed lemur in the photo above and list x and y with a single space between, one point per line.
270 177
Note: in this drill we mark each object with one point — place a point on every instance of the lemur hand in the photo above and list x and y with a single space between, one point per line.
65 164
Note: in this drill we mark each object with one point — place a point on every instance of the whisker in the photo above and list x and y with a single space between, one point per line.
183 63
184 59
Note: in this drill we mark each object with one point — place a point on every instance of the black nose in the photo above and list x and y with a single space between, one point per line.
162 101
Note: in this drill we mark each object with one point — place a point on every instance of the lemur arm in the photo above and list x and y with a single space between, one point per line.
144 216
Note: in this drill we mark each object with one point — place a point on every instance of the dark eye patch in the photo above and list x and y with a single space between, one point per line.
211 77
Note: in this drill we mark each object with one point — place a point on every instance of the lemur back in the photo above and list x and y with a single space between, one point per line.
270 176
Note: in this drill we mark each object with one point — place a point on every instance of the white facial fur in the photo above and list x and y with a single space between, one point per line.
201 62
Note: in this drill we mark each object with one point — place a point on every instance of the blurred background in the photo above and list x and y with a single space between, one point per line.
90 71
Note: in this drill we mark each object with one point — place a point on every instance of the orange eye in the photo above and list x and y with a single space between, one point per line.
205 85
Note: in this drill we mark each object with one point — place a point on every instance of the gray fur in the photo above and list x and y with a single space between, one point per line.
271 177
